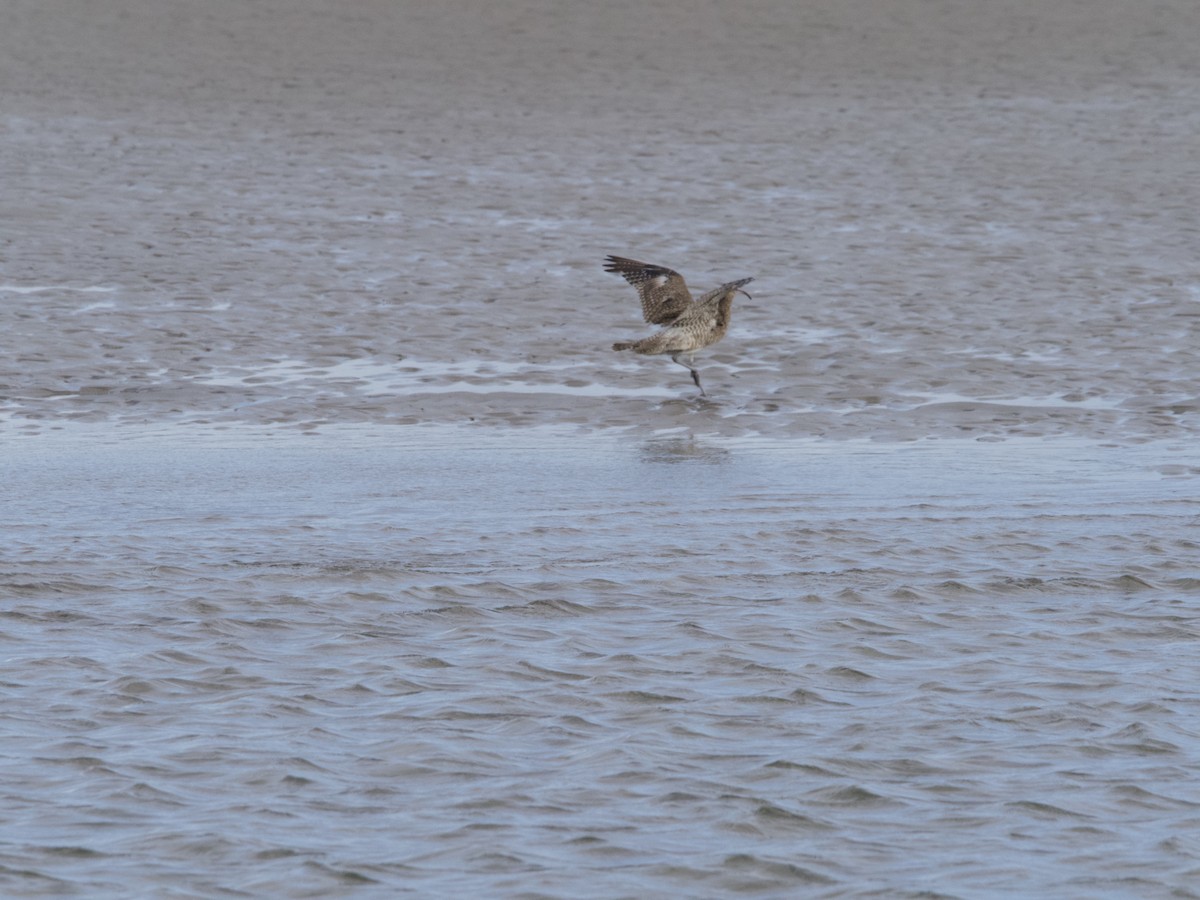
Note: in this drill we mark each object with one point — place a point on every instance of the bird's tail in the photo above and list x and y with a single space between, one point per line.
622 345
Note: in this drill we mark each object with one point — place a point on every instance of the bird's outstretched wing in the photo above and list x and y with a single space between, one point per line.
664 293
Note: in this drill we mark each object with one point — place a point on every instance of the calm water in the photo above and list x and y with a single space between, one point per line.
438 661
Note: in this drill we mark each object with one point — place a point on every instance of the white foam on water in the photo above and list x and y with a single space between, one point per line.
100 304
41 288
1051 402
410 376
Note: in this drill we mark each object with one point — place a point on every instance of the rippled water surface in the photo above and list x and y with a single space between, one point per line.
450 662
340 555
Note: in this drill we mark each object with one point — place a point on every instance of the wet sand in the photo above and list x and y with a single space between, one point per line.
976 221
344 556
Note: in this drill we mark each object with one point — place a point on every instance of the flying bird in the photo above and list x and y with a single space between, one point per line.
690 325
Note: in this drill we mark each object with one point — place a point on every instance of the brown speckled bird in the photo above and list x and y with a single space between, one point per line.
690 324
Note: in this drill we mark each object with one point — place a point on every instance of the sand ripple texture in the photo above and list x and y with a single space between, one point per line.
973 223
341 555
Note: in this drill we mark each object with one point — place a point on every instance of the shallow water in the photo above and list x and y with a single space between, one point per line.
446 662
342 555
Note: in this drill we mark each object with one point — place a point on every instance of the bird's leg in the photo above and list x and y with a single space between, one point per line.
690 368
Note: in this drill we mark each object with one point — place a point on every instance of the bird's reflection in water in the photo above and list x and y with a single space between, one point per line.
683 450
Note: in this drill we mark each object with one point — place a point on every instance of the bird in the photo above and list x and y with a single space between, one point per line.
690 325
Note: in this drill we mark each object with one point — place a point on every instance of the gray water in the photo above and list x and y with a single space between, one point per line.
341 556
451 663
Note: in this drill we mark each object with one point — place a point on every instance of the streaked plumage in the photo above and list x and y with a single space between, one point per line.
690 324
